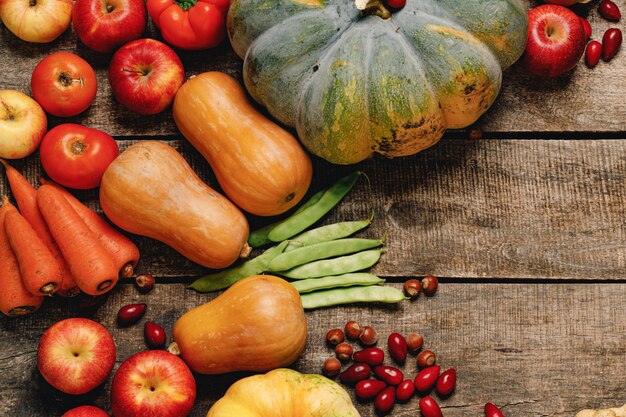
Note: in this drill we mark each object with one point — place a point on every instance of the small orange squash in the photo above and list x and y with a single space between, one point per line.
260 166
258 324
150 190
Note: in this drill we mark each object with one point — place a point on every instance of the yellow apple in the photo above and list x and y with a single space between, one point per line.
22 124
36 20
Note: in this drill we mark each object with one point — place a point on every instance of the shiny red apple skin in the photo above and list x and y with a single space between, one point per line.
76 355
153 383
23 124
556 41
104 25
86 411
145 75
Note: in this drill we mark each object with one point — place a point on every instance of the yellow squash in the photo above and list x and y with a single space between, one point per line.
284 393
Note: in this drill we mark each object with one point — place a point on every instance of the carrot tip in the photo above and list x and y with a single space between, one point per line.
104 285
48 289
21 311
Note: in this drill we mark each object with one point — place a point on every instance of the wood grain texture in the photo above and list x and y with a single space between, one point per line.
583 101
518 209
535 350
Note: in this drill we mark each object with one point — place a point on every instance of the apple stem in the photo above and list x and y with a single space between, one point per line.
32 3
8 110
142 72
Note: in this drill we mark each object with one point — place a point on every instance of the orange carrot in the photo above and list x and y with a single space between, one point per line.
15 300
26 197
92 266
40 271
124 252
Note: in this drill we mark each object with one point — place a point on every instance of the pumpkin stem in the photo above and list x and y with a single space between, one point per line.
375 7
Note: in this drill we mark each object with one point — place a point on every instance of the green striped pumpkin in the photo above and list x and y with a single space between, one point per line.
353 83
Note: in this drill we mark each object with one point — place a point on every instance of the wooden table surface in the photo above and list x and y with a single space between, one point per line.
526 228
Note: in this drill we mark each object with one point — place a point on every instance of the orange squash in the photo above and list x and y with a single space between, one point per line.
150 190
258 324
260 166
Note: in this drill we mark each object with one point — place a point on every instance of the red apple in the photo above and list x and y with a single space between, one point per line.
76 355
153 383
145 75
36 20
23 124
86 411
556 41
103 25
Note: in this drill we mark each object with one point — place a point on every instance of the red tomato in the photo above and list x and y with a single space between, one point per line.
76 156
64 84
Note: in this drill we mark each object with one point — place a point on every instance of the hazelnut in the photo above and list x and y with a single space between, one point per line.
414 342
369 336
353 330
331 367
412 288
144 282
334 337
426 358
343 351
429 285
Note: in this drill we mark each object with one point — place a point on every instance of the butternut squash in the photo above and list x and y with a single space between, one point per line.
258 324
150 190
260 166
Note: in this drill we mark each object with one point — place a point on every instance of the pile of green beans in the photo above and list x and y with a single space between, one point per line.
324 261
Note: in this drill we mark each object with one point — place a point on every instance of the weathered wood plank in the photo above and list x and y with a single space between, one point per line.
537 350
493 208
583 101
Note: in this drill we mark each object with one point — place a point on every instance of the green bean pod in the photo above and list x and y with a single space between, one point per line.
322 250
300 221
349 295
335 281
327 233
259 237
226 278
336 266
